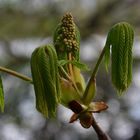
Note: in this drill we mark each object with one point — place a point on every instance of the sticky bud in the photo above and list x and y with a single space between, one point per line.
86 119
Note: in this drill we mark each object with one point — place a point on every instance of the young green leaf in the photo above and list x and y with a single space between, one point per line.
1 96
120 40
44 70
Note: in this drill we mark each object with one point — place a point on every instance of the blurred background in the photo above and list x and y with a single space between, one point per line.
27 24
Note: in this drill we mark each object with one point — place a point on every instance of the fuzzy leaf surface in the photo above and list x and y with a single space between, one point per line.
120 41
46 81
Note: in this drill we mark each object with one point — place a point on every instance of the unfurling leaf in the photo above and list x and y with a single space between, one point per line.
44 70
1 96
120 40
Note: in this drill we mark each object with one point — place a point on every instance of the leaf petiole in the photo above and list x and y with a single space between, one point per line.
95 70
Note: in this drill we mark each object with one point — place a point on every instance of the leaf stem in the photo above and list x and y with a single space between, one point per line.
100 133
95 70
98 63
16 74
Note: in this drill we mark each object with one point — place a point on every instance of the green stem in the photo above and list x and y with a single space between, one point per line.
16 74
98 63
95 70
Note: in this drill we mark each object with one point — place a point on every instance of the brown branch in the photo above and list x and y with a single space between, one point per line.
100 133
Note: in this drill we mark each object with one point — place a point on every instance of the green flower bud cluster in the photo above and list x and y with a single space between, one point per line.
67 38
67 33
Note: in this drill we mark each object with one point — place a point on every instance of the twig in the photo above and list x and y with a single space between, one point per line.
16 74
100 133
